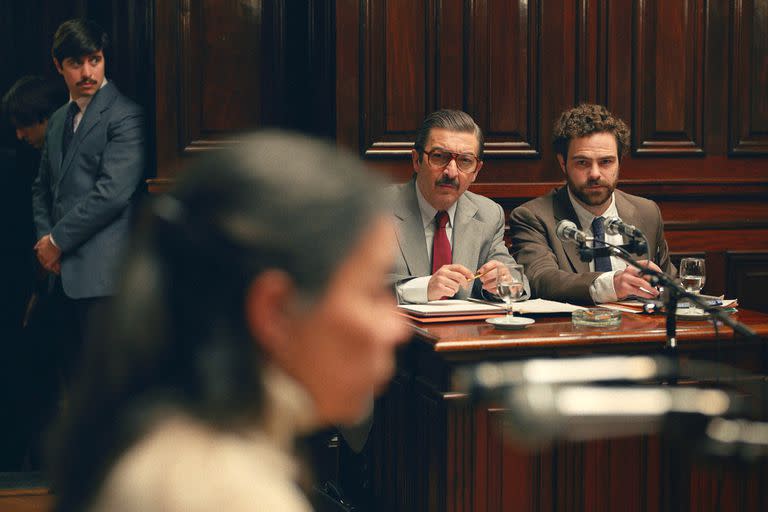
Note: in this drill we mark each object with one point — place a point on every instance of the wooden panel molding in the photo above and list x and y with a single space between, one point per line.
228 66
748 278
220 65
503 70
749 78
416 59
669 78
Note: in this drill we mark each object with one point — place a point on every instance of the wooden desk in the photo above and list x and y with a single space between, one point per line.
433 452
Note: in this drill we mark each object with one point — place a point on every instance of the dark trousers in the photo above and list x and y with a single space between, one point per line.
75 326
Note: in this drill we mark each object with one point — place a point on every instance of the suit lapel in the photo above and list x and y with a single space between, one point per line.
563 210
54 139
91 118
466 239
630 214
410 232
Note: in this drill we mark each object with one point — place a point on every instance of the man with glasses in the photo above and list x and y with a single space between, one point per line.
450 239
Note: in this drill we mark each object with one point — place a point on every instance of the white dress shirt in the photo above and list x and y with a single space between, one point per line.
415 290
83 103
602 289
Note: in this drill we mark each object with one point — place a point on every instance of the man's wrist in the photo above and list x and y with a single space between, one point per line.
602 289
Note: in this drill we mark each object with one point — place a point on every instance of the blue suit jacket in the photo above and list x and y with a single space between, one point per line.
84 198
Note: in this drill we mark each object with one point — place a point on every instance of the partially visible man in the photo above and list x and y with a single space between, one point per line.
447 235
28 104
27 372
90 170
589 142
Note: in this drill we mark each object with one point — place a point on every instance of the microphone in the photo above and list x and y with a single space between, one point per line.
615 226
568 232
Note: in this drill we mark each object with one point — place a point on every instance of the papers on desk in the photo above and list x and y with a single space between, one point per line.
451 307
636 306
543 306
452 310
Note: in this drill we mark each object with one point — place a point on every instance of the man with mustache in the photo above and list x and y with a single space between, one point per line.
90 170
589 142
447 235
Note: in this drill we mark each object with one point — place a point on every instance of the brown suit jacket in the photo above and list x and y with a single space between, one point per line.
554 269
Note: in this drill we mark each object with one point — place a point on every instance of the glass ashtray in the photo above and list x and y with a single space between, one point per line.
596 317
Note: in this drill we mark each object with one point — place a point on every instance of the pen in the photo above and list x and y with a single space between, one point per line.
478 274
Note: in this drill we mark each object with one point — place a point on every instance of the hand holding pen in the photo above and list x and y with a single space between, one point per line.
487 275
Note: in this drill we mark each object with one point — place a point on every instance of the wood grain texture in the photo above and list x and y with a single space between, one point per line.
466 456
669 77
749 78
688 76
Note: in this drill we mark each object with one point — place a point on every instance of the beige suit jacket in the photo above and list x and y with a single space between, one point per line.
478 236
554 269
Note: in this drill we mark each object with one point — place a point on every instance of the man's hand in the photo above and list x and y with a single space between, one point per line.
447 281
629 282
48 255
489 275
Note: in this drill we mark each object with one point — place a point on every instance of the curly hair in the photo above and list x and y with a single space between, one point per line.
585 120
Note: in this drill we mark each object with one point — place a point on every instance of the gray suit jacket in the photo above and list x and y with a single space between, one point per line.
478 236
84 198
554 269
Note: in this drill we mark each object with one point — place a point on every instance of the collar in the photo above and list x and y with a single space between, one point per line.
585 216
428 211
289 409
84 101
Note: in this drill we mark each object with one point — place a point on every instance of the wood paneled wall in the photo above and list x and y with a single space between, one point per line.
689 77
226 66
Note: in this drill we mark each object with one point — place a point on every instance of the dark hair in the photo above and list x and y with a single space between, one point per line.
177 337
78 37
32 100
585 120
453 120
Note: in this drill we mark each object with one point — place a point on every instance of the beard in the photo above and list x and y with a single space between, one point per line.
594 197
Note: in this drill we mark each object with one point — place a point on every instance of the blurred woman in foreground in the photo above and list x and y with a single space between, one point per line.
254 308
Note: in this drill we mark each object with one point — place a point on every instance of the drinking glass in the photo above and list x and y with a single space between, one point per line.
509 286
693 275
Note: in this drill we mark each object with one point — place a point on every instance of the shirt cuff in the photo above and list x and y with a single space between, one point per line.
602 289
50 235
413 291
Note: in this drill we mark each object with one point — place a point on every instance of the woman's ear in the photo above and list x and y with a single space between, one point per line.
269 301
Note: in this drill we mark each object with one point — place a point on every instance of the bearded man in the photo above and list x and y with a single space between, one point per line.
589 143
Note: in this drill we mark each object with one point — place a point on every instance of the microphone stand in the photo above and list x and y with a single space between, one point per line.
673 290
672 293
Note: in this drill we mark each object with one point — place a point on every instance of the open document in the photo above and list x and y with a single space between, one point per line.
479 309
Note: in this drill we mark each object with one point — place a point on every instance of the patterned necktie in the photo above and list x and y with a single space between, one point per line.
441 249
69 126
602 263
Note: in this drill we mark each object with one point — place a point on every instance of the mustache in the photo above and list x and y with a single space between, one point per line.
86 81
447 180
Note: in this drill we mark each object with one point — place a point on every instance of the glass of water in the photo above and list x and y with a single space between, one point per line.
509 286
693 275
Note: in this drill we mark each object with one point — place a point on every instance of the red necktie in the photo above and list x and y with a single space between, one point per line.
441 249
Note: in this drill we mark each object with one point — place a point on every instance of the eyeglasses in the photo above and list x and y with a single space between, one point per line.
465 162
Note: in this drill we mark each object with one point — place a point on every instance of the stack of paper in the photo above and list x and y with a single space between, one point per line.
636 306
450 310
